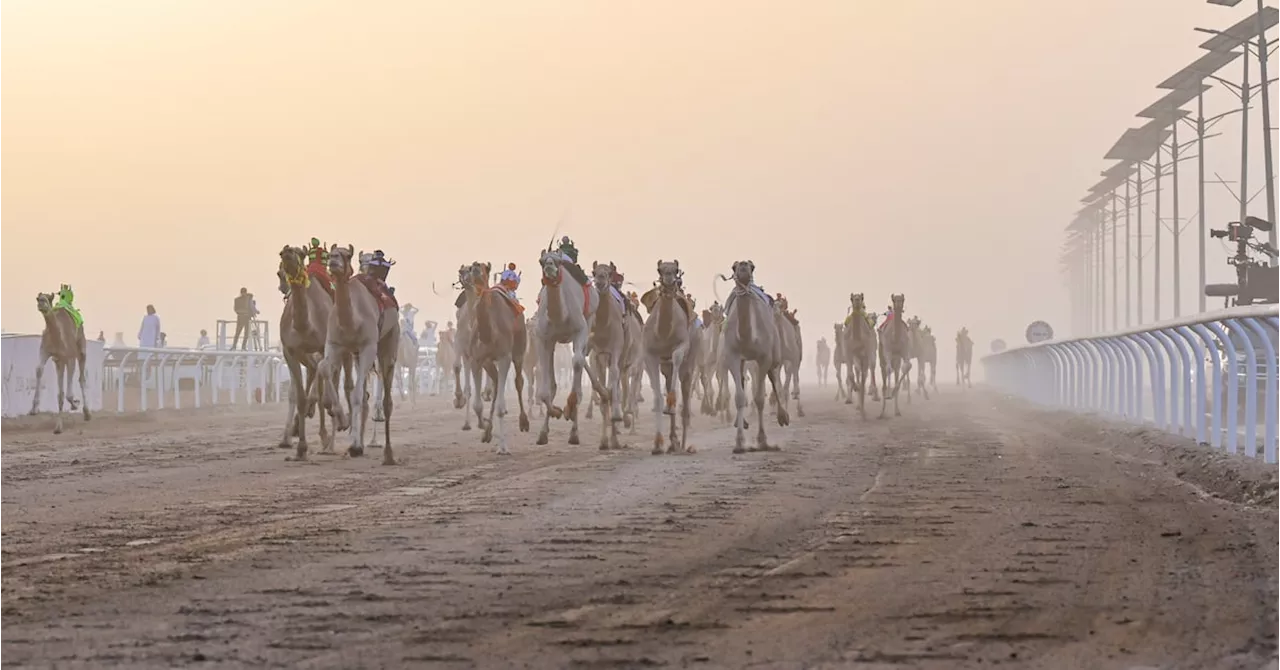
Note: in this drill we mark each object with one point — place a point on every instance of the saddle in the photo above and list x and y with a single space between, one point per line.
320 273
507 298
866 316
76 317
650 300
759 292
381 292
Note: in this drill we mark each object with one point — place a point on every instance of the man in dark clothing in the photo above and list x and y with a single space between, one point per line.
245 311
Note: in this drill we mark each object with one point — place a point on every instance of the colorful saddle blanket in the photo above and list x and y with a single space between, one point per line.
381 292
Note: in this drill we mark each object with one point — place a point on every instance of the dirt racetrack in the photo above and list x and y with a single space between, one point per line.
973 532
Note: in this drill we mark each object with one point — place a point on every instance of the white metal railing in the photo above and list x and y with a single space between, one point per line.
1159 375
159 377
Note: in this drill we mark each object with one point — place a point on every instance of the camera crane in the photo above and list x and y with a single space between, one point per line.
1257 281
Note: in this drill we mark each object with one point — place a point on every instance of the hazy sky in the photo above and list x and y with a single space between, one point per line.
162 152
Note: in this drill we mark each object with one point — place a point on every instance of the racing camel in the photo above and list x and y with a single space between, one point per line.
608 344
63 341
498 343
823 360
670 349
304 327
895 353
365 325
751 335
792 351
964 358
860 351
566 308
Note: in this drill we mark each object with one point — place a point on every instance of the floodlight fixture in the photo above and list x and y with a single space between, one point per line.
1137 145
1193 75
1171 101
1243 31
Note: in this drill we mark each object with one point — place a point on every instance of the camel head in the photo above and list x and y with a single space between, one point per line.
669 274
602 274
479 273
464 276
963 335
780 302
913 323
293 260
744 272
550 262
365 258
899 301
340 261
859 302
839 328
44 302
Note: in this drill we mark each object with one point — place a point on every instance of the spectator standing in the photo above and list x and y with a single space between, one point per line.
149 333
246 309
203 342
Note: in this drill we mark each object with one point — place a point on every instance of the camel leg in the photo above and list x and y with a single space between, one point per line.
500 402
35 402
388 369
297 404
654 366
898 375
83 396
60 371
575 392
615 399
477 402
546 385
524 416
758 398
795 389
597 361
356 400
884 390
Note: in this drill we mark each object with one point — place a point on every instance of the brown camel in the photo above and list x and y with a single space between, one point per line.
751 336
498 343
964 358
670 349
63 341
925 349
531 357
915 344
445 356
895 353
839 360
608 345
792 351
709 361
823 361
408 358
365 325
860 351
461 366
304 324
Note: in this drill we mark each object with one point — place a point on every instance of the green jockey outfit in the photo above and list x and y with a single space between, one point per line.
65 298
569 253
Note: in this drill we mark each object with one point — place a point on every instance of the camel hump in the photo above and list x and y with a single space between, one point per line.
77 320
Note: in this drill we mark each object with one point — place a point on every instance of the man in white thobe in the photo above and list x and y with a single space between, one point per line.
149 333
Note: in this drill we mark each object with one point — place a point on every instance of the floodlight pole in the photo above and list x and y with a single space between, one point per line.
1159 174
1102 270
1128 256
1267 166
1115 264
1244 135
1177 227
1200 301
1139 208
1086 271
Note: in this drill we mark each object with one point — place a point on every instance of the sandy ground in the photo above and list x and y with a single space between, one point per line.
973 532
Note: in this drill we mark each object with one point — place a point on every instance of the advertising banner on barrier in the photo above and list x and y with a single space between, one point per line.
18 357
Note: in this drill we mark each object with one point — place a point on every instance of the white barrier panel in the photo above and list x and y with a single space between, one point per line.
137 379
1210 376
19 355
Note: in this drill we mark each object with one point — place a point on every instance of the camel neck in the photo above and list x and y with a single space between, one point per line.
301 308
342 300
666 322
555 302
